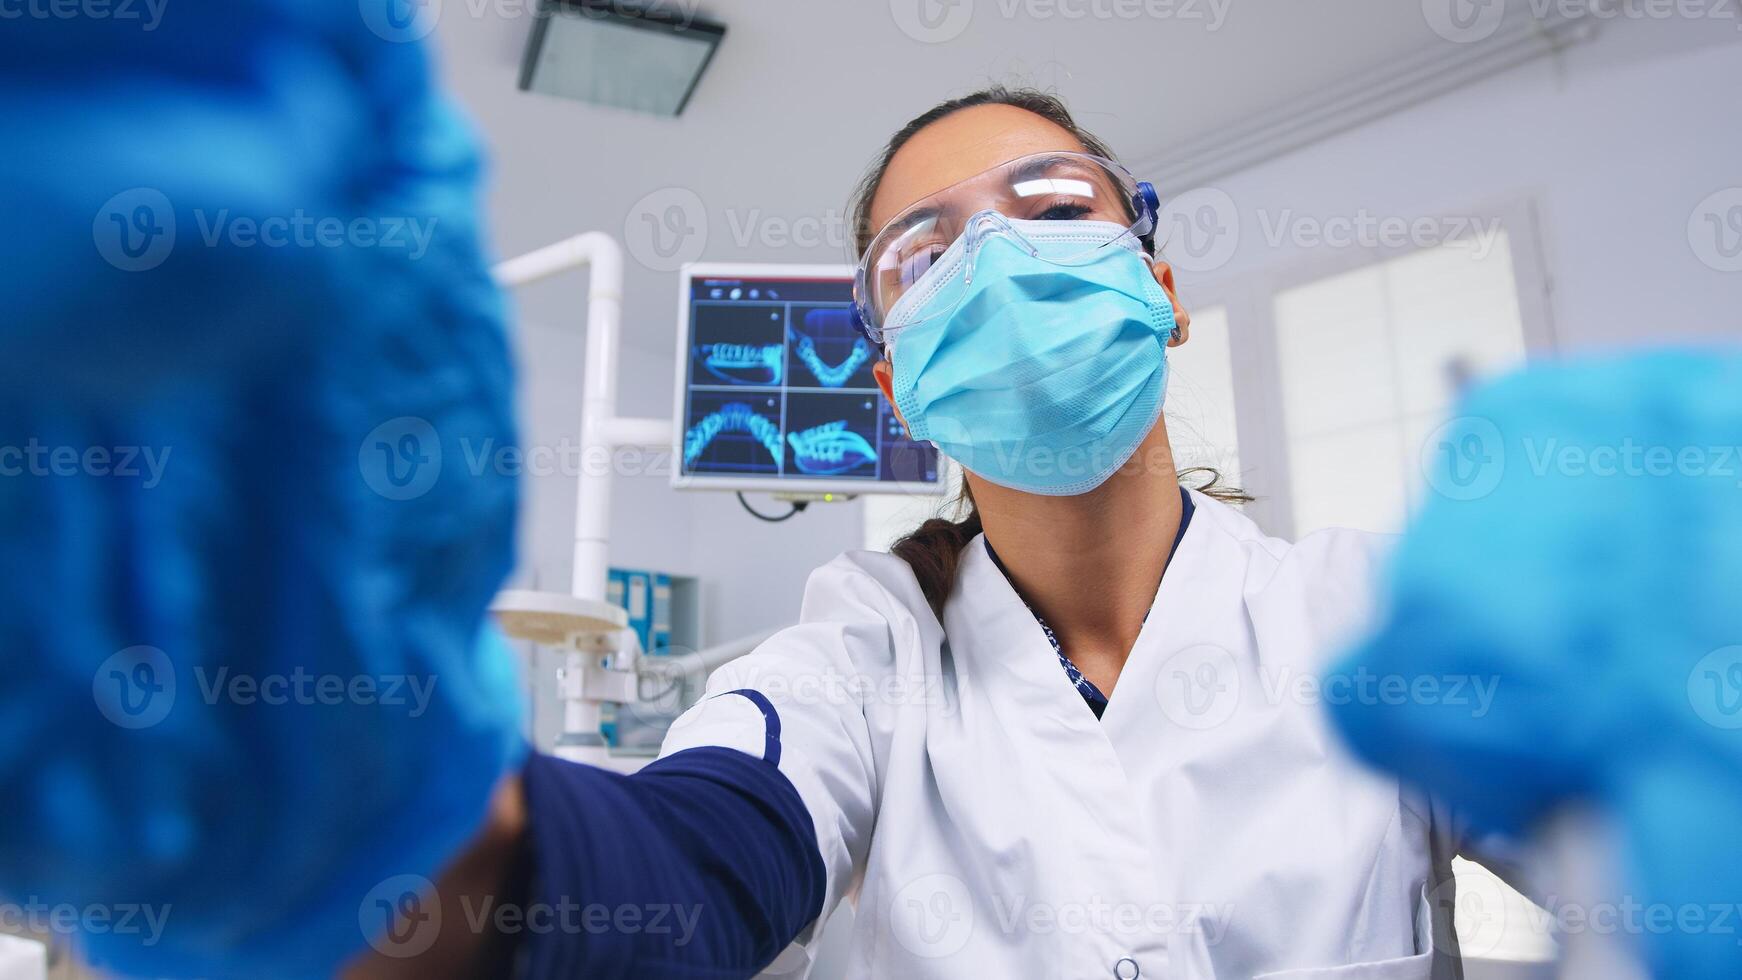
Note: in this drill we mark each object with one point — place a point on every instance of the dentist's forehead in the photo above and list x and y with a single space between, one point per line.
958 146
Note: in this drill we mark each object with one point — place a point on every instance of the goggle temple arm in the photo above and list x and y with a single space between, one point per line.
1146 204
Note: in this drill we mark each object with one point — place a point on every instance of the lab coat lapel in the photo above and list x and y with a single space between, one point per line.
1193 692
1196 604
991 628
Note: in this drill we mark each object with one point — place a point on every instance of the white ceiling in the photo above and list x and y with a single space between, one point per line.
802 93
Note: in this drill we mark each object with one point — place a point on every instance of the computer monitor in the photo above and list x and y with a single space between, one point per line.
775 391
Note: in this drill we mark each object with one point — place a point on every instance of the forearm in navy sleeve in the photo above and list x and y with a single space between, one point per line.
703 864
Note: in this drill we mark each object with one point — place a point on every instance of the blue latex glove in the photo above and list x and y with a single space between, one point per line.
267 476
1582 546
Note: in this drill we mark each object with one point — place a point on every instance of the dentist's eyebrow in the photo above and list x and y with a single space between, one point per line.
1051 165
907 219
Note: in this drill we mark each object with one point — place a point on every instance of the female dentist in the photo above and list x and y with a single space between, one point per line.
1074 734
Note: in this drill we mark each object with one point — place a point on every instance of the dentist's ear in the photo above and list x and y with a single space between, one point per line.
1182 318
885 375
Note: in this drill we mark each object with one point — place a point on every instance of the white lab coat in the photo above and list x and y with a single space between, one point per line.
986 824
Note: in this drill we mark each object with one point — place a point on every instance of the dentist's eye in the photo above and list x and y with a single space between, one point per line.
1063 212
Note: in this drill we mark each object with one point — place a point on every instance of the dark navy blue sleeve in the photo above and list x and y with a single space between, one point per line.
702 865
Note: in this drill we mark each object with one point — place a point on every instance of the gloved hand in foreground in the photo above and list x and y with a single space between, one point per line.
1581 546
249 335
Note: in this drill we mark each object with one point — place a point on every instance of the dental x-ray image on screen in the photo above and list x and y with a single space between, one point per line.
775 388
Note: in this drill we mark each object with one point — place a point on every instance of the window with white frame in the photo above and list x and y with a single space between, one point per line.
1367 362
1200 398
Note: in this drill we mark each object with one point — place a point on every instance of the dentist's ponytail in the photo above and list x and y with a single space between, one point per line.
934 549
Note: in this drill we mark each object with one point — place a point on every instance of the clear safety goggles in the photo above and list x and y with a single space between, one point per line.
1051 186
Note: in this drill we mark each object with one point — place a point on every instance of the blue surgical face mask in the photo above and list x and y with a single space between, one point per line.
1034 353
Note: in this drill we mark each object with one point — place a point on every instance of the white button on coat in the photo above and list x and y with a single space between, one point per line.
986 824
